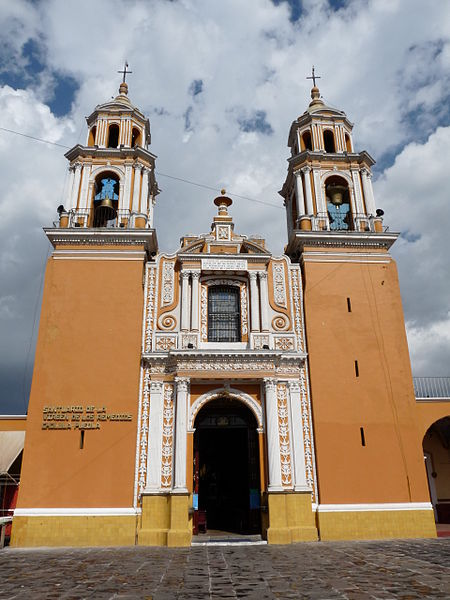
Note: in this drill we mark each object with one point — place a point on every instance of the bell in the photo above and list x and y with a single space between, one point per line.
105 211
336 194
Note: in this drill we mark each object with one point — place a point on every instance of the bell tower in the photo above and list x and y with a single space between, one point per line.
79 462
369 463
112 178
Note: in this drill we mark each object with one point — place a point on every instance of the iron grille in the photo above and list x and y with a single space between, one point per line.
224 314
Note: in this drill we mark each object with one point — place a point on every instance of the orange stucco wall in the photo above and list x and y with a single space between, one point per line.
389 468
87 354
428 413
8 423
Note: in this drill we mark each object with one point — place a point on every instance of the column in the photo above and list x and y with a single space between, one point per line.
84 201
68 192
136 187
182 404
297 442
308 192
154 457
254 301
299 194
151 208
320 202
185 300
194 300
264 300
76 185
127 188
273 437
144 195
358 208
368 192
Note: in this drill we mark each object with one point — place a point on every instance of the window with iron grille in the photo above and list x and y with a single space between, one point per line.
224 314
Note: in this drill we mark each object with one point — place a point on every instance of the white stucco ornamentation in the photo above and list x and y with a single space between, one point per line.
166 343
307 436
298 317
283 430
167 437
150 308
167 286
227 392
143 432
280 323
286 344
204 313
259 341
279 284
244 310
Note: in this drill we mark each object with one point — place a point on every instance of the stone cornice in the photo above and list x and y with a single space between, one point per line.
336 239
197 256
121 152
101 237
218 362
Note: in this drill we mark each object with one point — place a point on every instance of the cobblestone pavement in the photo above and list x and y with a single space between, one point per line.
405 569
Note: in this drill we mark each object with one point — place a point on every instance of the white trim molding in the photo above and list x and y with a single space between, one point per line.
76 512
385 506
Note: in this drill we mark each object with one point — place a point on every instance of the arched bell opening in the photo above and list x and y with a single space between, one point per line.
113 136
106 199
338 203
92 134
226 469
328 141
135 137
306 140
436 452
348 143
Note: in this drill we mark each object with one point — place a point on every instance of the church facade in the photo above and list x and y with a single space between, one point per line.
220 387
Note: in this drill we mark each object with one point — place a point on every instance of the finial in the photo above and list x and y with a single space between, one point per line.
315 93
123 88
223 191
223 202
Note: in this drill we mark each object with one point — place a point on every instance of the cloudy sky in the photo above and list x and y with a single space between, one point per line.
221 83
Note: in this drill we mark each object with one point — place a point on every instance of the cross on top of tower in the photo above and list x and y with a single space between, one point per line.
313 76
125 72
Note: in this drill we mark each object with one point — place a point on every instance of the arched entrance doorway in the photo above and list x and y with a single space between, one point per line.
436 450
226 467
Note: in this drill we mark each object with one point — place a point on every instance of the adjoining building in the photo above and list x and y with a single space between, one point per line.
221 386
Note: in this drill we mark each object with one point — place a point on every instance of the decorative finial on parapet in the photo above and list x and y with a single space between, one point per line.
223 202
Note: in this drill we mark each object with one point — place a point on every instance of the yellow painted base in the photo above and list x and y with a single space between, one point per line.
291 518
372 525
73 531
165 521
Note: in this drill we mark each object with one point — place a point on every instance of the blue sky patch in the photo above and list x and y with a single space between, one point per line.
295 7
256 122
63 95
31 66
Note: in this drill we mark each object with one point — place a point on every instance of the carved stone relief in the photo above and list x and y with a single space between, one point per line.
296 300
283 430
150 309
167 437
167 287
279 284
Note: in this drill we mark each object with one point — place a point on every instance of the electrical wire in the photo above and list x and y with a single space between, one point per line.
159 173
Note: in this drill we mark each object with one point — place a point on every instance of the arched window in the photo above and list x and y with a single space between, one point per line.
106 199
92 133
338 204
113 137
348 143
224 314
135 137
306 140
328 140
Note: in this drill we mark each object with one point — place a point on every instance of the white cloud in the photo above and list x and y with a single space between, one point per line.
379 60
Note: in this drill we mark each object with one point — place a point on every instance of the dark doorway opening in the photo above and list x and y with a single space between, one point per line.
226 467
